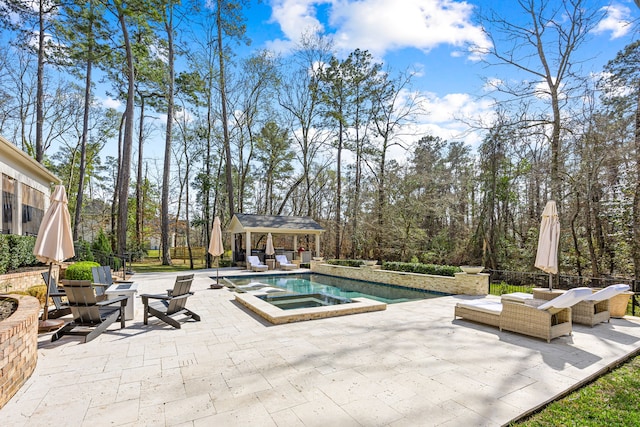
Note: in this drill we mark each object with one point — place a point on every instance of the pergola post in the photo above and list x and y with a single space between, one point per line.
317 252
247 248
295 244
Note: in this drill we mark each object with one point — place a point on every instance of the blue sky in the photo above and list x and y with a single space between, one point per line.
429 37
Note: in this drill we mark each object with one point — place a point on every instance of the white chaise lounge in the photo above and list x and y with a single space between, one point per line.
536 318
284 263
254 264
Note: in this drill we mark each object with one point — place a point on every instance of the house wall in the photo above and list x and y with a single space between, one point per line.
22 170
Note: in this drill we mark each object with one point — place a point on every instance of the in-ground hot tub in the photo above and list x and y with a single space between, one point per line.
288 308
293 301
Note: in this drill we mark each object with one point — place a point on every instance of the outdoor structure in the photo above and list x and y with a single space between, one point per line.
249 225
26 186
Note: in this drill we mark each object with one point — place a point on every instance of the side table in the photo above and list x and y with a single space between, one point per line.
126 289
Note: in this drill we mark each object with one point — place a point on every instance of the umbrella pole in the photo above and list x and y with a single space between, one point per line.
45 314
46 325
550 282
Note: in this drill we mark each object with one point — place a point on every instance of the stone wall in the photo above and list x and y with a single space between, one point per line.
18 346
461 284
21 281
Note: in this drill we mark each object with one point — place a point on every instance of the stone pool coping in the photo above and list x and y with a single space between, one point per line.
278 316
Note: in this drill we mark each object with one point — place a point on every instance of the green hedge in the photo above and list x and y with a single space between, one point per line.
80 270
16 252
4 253
346 262
433 269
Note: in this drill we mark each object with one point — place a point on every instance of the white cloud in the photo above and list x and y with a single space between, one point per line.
111 103
380 26
616 20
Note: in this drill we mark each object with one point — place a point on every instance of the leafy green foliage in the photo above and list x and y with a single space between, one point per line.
16 252
21 251
83 251
80 270
4 253
411 267
346 262
505 288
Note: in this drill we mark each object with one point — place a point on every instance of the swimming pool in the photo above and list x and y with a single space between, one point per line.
310 283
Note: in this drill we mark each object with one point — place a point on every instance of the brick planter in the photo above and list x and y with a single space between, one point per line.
18 346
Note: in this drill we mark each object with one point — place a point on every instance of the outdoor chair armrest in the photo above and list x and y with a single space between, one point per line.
57 294
122 299
155 296
164 297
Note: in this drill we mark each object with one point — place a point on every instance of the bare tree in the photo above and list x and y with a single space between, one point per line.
542 45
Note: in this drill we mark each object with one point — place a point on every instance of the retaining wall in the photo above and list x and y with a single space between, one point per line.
18 346
461 284
21 281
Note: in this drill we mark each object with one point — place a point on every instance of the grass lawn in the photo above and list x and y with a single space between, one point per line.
154 265
612 400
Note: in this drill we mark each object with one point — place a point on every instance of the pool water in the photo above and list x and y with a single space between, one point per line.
337 286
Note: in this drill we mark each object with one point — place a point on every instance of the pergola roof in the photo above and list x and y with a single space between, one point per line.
242 223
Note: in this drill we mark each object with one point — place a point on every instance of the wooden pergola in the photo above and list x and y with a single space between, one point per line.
247 224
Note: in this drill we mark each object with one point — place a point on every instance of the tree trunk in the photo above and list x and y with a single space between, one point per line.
223 101
40 83
125 164
139 205
166 255
339 194
85 132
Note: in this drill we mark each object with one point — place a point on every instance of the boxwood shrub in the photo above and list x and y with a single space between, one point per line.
80 270
346 262
433 269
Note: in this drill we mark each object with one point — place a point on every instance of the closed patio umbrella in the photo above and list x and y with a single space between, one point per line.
54 244
216 247
269 250
547 256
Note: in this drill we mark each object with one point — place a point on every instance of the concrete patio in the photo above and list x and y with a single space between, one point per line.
411 365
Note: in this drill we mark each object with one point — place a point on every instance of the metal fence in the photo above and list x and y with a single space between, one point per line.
527 280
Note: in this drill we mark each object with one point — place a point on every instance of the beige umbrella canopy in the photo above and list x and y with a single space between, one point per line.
269 250
216 247
54 243
547 256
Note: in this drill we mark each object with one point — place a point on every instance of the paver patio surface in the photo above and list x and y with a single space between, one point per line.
410 365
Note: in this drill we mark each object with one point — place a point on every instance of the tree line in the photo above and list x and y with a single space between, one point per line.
310 133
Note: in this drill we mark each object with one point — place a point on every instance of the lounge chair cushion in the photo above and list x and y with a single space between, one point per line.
483 305
516 297
569 298
607 293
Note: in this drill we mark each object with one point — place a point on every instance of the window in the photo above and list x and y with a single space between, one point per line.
32 210
8 203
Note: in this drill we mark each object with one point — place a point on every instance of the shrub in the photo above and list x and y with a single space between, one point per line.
414 267
16 252
21 251
346 262
80 270
83 251
38 291
4 253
